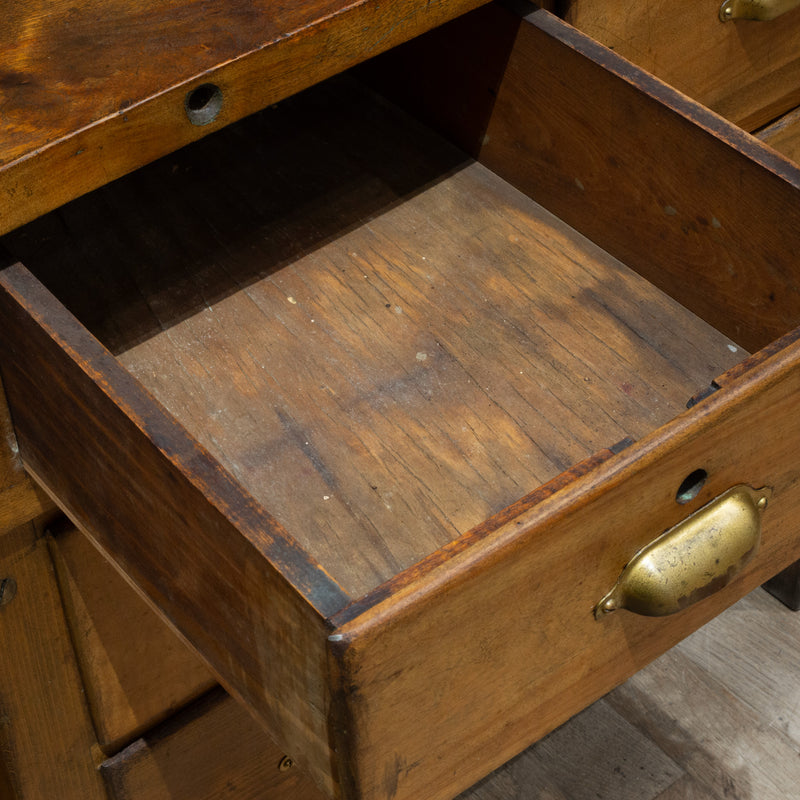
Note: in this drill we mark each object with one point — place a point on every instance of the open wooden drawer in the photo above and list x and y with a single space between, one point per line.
344 404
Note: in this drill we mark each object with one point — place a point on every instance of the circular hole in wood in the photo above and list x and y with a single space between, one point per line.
203 104
8 588
691 486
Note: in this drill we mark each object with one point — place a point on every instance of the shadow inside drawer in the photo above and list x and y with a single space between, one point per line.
381 340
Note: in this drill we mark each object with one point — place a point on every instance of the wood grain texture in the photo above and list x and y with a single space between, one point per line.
712 719
21 500
492 648
93 90
659 702
784 135
675 192
747 72
225 576
346 312
662 183
213 750
751 652
575 762
135 670
46 736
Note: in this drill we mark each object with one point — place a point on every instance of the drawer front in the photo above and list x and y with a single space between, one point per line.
136 671
487 653
48 745
749 72
214 749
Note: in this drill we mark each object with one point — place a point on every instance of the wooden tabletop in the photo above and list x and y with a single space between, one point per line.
92 89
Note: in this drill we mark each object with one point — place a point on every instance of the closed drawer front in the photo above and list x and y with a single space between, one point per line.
211 750
381 422
136 671
748 71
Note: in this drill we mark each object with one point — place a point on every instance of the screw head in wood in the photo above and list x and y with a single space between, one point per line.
285 763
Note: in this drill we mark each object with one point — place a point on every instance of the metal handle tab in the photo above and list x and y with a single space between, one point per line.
692 560
762 10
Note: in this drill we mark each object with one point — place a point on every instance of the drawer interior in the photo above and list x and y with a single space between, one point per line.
339 346
380 339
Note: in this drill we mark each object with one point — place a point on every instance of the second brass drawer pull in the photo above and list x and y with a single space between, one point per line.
762 10
692 560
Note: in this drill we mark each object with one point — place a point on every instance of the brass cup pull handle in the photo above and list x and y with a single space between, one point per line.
762 10
692 560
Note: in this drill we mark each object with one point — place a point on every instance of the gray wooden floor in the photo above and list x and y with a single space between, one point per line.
716 718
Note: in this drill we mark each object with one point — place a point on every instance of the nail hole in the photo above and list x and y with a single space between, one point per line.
203 104
691 486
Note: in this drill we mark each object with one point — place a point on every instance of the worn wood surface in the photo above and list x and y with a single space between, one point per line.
505 645
135 670
47 743
678 194
214 563
213 750
712 719
784 135
384 314
93 90
747 71
675 192
21 500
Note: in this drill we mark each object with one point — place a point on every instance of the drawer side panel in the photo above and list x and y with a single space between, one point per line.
197 547
675 192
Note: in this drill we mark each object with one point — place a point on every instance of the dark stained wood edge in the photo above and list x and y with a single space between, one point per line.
700 115
511 514
217 567
173 442
745 365
757 358
144 131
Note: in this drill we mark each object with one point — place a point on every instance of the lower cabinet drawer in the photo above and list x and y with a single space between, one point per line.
376 423
748 71
136 671
213 749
